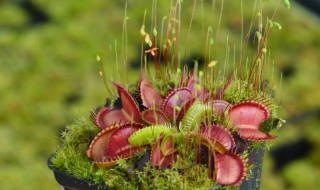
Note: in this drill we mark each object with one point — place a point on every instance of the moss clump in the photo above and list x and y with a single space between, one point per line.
193 178
71 158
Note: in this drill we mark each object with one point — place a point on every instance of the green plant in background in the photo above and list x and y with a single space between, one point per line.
185 119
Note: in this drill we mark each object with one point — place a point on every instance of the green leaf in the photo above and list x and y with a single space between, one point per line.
148 135
195 115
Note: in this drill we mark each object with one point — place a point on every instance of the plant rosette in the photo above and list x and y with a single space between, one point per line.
142 133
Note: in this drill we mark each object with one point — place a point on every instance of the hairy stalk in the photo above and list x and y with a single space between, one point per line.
218 29
103 75
189 29
125 45
241 43
259 53
117 62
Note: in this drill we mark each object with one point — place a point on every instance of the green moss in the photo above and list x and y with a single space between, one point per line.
193 178
239 91
71 158
184 174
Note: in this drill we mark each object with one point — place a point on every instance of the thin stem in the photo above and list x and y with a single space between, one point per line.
117 63
218 28
190 25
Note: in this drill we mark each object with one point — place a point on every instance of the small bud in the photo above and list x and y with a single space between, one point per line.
177 108
155 31
100 73
200 73
287 4
175 20
211 41
277 25
259 60
142 32
178 71
259 14
212 64
148 40
282 120
98 58
259 36
264 50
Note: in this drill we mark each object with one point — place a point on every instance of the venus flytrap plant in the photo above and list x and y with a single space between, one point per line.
168 127
178 123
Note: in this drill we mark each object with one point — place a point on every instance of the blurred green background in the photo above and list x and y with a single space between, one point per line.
49 76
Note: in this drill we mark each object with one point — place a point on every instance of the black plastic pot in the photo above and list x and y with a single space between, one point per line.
73 183
253 183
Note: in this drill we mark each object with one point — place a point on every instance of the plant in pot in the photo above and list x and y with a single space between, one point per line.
179 127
